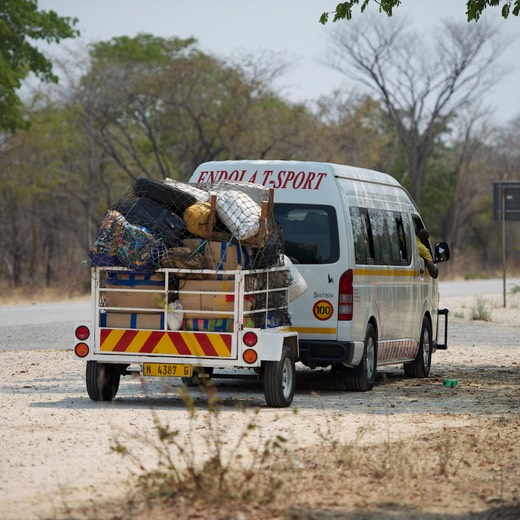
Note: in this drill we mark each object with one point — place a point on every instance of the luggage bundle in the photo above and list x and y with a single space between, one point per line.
177 225
227 226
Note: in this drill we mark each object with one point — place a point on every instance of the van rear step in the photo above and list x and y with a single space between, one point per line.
444 346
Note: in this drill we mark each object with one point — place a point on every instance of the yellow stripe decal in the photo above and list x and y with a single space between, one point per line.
112 340
192 343
386 272
313 330
136 344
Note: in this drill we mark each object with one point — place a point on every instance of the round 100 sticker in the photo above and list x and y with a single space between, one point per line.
322 310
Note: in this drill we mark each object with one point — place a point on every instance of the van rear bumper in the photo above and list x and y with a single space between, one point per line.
323 353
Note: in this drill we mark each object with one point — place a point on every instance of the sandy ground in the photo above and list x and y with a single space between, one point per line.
56 443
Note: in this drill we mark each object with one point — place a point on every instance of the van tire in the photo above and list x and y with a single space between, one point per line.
197 380
362 377
102 380
279 378
420 366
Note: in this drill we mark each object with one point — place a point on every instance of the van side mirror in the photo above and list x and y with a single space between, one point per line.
442 252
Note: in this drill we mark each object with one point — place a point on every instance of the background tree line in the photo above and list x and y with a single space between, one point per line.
158 107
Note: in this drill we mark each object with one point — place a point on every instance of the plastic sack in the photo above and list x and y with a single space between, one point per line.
103 251
257 192
239 213
189 189
175 315
137 248
298 284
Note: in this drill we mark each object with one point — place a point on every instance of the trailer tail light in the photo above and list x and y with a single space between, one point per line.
81 350
250 339
346 296
250 356
82 332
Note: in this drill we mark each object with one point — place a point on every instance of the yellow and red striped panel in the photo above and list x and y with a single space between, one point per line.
165 342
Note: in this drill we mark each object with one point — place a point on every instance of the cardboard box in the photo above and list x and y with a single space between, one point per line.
221 256
205 300
132 320
130 290
134 299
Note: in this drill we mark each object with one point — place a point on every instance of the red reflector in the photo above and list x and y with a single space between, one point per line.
82 332
250 339
346 296
81 350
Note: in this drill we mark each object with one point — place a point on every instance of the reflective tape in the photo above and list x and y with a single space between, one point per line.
179 343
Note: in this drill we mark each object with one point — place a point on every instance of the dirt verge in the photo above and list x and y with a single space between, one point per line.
409 449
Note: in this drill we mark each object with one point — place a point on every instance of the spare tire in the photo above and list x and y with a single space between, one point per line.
174 199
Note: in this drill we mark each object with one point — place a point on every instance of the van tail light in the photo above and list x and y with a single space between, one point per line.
346 296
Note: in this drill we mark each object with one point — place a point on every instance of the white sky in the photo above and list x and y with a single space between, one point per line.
292 27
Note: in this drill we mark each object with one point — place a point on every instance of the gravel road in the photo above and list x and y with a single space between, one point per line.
56 442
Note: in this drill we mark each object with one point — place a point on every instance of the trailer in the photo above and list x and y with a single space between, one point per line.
191 324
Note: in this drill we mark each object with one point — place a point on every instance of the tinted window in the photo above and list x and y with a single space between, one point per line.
363 244
310 232
380 237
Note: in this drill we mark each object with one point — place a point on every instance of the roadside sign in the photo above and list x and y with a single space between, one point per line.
506 200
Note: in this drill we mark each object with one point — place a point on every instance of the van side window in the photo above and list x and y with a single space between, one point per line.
405 238
400 238
379 227
310 232
362 233
380 237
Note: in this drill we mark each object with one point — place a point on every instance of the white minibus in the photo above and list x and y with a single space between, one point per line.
350 232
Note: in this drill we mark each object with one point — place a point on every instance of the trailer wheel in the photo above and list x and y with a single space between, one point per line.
102 380
196 379
280 380
362 377
420 366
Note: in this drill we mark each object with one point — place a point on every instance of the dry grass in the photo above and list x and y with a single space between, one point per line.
26 296
462 472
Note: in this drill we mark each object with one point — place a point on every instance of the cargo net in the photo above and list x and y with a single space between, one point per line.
156 224
268 293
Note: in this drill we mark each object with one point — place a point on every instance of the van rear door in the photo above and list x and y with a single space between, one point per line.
312 243
308 206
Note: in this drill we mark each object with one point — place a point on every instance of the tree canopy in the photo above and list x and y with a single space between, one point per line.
21 24
474 8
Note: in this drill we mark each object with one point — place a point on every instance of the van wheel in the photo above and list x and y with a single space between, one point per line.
420 366
280 380
200 377
102 380
362 377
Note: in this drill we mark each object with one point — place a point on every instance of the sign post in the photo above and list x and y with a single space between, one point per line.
506 206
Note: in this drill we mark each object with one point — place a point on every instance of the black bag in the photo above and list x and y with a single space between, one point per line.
177 200
159 219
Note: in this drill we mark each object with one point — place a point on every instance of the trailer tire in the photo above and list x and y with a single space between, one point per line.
362 377
280 380
420 366
102 380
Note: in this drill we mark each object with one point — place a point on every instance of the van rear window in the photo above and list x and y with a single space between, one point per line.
310 232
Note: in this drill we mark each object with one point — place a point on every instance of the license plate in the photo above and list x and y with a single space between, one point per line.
167 370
